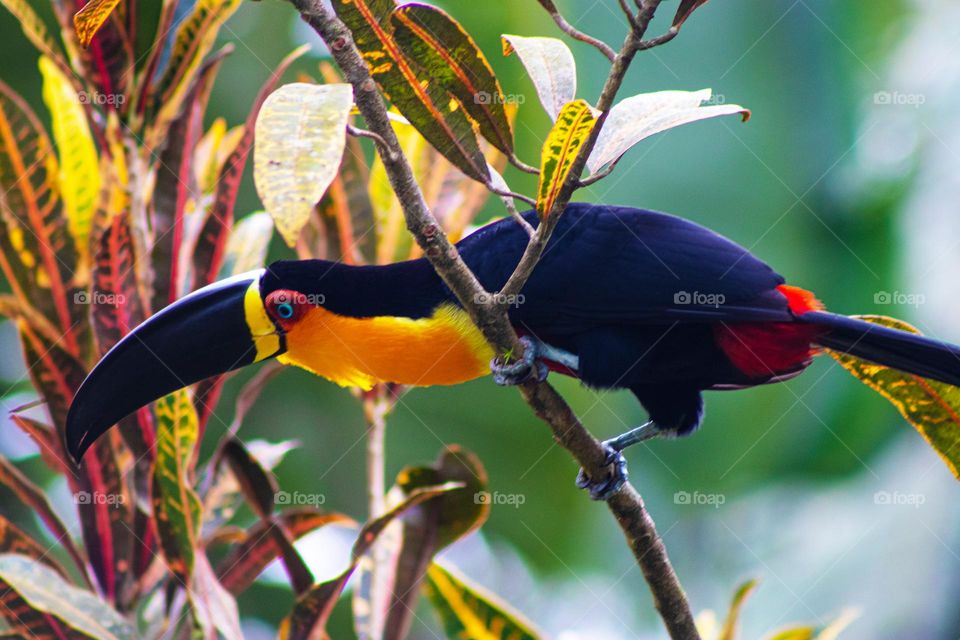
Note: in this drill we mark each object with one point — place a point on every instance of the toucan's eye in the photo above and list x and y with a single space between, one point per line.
284 306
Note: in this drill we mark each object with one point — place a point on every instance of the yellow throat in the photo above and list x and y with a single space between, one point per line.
445 348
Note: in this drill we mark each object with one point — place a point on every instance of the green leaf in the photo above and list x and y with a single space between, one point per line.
300 136
569 133
47 593
551 67
312 611
247 246
469 611
436 114
641 116
177 509
447 53
91 17
930 406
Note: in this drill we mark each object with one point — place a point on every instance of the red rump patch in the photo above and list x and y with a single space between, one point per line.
800 300
767 349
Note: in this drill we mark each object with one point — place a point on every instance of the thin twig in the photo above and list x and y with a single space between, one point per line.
627 11
520 164
491 318
365 133
599 175
511 195
659 40
571 31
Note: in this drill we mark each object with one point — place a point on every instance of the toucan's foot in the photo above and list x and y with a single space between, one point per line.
603 489
606 487
523 369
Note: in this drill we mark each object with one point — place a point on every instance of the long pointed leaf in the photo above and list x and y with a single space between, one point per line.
932 407
420 98
66 610
177 509
88 20
468 611
438 43
79 176
569 133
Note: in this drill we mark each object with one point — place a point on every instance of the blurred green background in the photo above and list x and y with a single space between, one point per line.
844 191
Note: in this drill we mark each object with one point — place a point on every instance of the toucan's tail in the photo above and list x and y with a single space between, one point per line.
920 355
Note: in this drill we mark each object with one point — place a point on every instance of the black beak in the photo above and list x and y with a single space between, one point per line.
213 330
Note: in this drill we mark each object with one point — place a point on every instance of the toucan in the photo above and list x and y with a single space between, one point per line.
622 298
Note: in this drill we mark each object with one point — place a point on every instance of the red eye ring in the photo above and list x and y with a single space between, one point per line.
284 306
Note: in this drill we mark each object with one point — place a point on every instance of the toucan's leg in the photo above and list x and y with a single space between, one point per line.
532 363
603 489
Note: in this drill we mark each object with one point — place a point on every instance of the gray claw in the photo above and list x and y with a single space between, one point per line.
603 489
518 372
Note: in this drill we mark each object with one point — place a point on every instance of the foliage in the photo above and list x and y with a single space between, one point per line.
129 205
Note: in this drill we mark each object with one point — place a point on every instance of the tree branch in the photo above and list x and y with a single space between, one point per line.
569 29
491 318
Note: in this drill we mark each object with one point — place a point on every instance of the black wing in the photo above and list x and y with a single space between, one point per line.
624 265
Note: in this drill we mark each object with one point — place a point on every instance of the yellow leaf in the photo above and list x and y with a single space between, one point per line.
79 174
299 141
729 630
88 20
932 407
569 133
